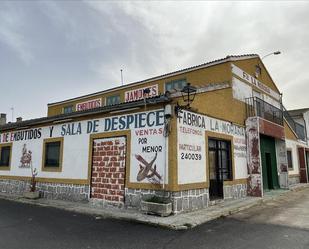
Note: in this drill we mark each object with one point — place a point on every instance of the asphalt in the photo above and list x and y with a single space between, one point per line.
177 222
24 225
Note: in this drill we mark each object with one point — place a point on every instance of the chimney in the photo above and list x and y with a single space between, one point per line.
19 119
2 118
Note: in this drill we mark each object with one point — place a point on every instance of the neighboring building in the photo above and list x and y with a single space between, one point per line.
301 117
122 145
299 152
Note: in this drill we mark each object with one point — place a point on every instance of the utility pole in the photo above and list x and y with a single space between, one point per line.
12 110
121 77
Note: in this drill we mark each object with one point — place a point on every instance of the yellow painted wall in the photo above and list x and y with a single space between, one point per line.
248 66
289 134
219 103
214 74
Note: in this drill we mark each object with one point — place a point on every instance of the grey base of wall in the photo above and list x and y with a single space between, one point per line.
186 200
182 201
293 180
236 191
58 191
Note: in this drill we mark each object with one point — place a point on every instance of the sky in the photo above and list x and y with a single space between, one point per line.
55 50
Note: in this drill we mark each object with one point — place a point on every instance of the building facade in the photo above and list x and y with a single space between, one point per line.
297 149
123 145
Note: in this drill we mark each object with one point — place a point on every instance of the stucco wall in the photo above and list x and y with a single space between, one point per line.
146 140
292 145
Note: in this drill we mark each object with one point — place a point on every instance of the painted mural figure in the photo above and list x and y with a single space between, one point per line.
26 158
147 170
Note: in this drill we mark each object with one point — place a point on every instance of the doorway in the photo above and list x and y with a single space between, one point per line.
269 163
108 169
302 165
220 166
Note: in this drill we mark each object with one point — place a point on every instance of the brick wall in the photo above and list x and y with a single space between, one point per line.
108 169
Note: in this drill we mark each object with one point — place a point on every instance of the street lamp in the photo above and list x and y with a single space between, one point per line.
188 94
273 53
258 68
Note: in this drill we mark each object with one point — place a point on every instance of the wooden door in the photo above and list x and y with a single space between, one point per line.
302 165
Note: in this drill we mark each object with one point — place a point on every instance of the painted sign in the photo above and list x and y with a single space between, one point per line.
141 93
253 81
29 134
90 104
192 148
148 148
148 122
26 158
147 155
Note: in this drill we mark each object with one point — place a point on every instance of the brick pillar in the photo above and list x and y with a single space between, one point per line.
108 169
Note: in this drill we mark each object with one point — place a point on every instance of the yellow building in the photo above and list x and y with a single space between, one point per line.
212 131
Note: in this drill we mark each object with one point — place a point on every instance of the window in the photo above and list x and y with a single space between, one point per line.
113 100
67 109
258 71
5 156
52 154
290 160
175 84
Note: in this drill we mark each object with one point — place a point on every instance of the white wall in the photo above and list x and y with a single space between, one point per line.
241 91
292 145
76 139
195 172
306 117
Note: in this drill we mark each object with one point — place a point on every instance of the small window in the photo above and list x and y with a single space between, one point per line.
52 154
113 100
290 160
175 85
258 71
67 109
5 156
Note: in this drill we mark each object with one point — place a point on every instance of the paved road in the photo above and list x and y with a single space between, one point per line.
280 224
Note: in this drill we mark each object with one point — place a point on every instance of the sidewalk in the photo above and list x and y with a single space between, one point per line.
176 222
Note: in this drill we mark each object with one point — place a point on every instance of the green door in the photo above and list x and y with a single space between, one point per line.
269 163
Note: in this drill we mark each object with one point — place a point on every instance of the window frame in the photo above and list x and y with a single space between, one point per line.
112 96
291 151
47 168
228 150
6 167
63 108
174 82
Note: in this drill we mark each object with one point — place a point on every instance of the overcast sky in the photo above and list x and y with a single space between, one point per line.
55 50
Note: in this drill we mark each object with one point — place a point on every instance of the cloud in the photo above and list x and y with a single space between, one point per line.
72 48
11 24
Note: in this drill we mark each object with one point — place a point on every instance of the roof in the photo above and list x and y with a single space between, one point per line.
298 112
189 69
100 110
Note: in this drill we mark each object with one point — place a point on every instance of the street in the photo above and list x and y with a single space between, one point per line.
277 224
